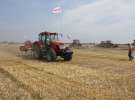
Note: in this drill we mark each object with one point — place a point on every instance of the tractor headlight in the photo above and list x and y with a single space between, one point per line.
62 47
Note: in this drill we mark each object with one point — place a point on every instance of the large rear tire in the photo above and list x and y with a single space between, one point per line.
51 55
36 52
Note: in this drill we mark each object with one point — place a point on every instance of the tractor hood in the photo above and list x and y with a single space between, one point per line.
57 43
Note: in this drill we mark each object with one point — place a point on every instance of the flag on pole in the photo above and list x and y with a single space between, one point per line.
57 10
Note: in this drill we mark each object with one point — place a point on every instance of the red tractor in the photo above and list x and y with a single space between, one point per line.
49 46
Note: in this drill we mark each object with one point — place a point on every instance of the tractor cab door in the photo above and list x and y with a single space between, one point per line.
42 40
47 40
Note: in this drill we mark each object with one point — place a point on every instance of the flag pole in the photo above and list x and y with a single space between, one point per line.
58 11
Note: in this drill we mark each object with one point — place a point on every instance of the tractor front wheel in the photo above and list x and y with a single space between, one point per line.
68 57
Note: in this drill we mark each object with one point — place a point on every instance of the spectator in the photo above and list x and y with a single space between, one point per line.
130 52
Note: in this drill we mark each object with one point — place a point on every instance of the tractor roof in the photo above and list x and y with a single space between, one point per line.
48 33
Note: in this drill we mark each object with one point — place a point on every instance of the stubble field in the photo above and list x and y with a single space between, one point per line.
93 74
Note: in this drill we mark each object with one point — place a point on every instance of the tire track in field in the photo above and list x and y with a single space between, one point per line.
75 84
34 95
30 67
66 81
72 83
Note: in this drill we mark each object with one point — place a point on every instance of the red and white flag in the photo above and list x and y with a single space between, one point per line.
57 10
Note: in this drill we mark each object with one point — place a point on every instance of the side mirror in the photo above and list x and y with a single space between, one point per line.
60 35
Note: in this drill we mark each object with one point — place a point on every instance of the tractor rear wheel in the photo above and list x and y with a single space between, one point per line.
51 55
36 52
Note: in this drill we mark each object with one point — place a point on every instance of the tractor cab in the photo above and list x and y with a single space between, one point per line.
48 38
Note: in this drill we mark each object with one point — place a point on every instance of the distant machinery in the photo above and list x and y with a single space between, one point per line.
76 44
133 42
107 44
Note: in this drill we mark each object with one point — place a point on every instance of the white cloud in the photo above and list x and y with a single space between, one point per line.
102 19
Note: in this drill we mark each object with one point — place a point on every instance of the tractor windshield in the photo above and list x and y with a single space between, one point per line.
54 37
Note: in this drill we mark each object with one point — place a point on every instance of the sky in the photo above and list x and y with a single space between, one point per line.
87 20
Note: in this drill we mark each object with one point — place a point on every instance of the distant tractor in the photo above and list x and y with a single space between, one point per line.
76 44
50 47
107 44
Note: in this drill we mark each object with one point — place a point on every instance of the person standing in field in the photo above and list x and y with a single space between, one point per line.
130 52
